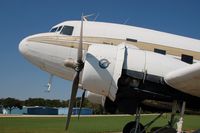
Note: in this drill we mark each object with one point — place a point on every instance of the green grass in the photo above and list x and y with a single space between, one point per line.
84 125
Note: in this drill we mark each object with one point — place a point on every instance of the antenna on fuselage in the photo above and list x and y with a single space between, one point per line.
49 84
96 17
85 17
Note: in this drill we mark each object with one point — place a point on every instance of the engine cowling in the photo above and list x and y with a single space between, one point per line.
96 98
105 102
102 69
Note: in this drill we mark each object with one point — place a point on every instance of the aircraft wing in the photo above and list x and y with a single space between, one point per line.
186 79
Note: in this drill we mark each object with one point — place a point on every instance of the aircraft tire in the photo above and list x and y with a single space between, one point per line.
130 127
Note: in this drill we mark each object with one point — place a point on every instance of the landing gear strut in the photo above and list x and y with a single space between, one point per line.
169 128
180 122
137 127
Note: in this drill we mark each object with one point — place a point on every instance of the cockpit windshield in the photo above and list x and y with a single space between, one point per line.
59 28
56 29
65 30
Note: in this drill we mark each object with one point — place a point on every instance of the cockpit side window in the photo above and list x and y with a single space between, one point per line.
54 29
67 30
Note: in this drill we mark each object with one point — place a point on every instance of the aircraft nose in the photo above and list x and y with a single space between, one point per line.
23 47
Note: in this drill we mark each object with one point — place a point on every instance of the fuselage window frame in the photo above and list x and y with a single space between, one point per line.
59 28
67 30
54 29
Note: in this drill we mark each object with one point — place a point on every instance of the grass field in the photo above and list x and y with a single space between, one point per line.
100 124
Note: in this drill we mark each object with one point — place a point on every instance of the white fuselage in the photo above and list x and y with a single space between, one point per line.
49 50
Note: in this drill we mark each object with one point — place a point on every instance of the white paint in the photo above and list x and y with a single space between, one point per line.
96 79
117 70
185 79
51 58
153 63
95 98
119 31
47 57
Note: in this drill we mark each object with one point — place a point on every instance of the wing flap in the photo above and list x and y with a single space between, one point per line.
186 79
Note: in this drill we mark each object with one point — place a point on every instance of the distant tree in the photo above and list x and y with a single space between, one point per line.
1 101
11 103
44 102
35 102
64 103
53 103
97 108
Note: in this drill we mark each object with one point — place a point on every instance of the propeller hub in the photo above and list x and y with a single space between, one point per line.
79 66
76 65
71 63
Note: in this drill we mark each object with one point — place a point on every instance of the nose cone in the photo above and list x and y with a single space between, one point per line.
23 47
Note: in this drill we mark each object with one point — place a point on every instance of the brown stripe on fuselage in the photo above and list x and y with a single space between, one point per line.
73 41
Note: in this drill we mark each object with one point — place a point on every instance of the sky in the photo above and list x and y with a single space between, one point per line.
20 18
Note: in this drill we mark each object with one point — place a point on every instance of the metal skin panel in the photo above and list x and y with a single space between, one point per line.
119 31
96 98
134 60
49 50
117 70
103 81
47 58
160 65
151 63
100 71
185 79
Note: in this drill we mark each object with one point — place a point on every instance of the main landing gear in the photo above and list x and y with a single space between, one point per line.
137 127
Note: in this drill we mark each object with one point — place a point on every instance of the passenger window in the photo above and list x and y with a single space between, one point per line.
131 40
67 30
187 58
54 29
160 51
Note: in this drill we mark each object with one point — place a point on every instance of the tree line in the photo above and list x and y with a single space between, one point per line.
12 103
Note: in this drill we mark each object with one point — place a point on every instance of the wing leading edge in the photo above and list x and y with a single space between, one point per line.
186 79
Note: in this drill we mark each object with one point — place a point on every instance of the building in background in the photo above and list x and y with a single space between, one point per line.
84 111
62 111
39 110
14 111
19 111
42 111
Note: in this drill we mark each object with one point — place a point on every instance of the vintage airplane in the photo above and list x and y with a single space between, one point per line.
120 65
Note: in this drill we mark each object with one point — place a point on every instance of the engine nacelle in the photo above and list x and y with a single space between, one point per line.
105 102
104 64
96 98
102 69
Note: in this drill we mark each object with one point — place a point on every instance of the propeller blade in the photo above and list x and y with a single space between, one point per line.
78 66
81 105
80 49
73 98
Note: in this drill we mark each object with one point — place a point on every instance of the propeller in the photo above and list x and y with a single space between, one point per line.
81 104
77 66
